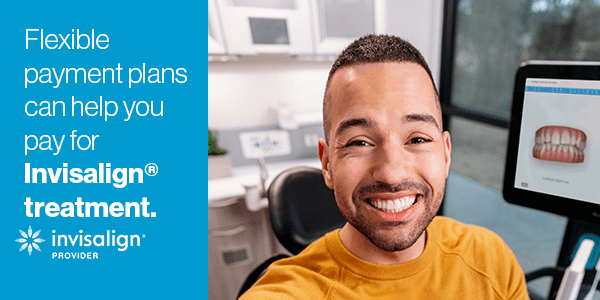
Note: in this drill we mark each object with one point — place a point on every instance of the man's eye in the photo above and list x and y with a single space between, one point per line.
357 143
419 140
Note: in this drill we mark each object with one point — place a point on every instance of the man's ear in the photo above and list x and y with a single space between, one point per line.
447 150
324 157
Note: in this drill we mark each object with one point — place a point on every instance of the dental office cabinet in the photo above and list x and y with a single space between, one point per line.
238 239
319 29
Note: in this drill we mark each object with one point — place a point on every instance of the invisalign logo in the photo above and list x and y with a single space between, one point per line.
26 240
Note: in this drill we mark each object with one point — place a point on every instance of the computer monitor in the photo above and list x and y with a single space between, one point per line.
553 158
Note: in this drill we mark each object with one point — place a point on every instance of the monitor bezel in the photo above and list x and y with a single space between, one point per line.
575 209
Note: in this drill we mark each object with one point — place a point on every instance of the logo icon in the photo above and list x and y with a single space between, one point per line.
29 244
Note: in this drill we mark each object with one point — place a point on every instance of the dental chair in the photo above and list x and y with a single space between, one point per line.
301 209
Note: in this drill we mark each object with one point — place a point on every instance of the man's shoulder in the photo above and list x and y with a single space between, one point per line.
478 248
453 234
315 256
308 275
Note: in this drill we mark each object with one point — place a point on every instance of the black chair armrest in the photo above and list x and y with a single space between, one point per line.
258 273
554 272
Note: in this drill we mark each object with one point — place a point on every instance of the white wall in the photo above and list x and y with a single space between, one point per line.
240 93
420 23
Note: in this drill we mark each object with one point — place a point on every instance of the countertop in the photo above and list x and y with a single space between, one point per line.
248 176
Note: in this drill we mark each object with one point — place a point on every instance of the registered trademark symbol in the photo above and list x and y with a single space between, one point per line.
143 235
151 169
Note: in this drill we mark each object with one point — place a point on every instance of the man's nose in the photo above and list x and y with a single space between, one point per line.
392 164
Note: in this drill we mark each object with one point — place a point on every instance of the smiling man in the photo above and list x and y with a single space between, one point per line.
386 157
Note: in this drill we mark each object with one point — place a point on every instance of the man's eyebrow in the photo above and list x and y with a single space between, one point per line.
420 118
357 122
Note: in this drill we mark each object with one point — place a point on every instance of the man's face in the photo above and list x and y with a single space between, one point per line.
387 158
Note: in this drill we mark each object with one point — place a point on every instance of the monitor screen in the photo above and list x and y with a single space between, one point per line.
557 155
553 158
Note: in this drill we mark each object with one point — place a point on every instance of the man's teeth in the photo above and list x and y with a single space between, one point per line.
393 206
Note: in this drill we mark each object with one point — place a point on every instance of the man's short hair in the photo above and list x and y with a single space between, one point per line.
371 49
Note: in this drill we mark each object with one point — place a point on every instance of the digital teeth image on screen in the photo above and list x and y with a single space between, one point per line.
560 144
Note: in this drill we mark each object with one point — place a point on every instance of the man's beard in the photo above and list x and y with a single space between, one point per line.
381 233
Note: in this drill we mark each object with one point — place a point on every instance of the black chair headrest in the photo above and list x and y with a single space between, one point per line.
302 208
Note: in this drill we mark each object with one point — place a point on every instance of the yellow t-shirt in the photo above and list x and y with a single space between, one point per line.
459 262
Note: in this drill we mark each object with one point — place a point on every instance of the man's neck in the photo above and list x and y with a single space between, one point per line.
362 248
